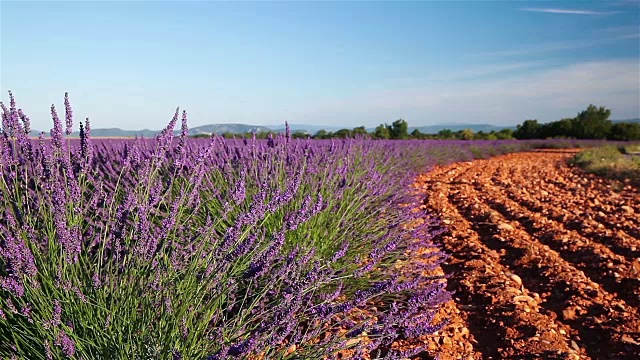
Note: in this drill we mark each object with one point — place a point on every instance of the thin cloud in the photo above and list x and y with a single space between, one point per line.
491 70
540 48
547 95
630 36
626 3
619 30
468 74
554 46
569 11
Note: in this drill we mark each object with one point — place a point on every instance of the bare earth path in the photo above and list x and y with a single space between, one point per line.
545 260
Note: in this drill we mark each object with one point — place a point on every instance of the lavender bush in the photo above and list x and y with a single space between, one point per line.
178 248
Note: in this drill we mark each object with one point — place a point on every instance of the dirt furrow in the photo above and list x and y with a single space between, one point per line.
569 213
617 225
566 291
614 272
595 195
515 216
582 184
502 314
612 217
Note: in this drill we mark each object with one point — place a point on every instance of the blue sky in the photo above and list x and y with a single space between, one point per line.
129 64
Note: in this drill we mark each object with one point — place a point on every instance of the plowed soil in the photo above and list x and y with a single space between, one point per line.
544 260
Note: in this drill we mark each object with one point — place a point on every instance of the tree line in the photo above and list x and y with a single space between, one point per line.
398 130
592 123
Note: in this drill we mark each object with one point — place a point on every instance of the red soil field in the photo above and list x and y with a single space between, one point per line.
545 260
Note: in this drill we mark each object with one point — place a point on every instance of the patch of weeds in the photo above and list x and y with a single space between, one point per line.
477 152
619 163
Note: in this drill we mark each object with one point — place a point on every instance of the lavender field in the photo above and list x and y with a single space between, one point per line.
180 248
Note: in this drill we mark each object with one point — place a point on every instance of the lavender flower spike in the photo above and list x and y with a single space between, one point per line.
68 114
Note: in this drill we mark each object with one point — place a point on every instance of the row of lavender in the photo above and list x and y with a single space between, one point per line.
184 248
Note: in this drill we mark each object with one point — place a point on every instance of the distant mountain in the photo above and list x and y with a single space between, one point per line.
223 128
243 128
627 121
146 133
116 132
108 132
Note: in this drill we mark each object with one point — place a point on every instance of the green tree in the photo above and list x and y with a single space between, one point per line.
480 135
445 134
399 129
593 123
466 134
504 134
382 132
529 129
416 134
342 133
562 128
625 131
359 131
300 135
199 136
321 134
264 134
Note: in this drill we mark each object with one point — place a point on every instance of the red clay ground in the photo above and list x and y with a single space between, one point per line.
545 260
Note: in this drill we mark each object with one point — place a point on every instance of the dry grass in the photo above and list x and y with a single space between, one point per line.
621 163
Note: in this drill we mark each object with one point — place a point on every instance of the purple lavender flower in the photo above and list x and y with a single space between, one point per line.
66 344
57 314
56 131
239 191
97 283
340 253
68 116
16 253
243 347
86 148
12 285
287 131
26 311
180 151
47 350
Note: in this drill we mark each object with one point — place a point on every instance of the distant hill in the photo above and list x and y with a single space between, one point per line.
116 132
243 128
311 129
204 129
223 128
627 121
108 132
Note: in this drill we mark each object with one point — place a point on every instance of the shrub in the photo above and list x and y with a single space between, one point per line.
610 161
